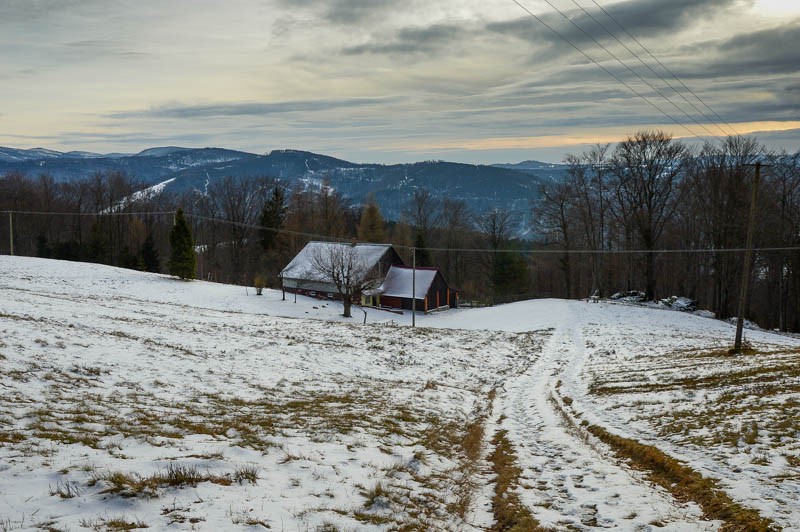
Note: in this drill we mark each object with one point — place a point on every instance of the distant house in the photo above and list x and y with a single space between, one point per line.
430 290
302 277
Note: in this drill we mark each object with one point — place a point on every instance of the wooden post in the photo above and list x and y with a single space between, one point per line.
413 287
437 300
748 252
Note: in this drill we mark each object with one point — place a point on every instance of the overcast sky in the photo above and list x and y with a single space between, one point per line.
392 80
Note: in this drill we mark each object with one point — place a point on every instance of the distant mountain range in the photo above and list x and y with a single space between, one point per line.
482 187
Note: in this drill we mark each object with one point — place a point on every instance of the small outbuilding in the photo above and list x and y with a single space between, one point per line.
427 285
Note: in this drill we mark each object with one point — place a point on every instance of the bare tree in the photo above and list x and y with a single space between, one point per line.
588 176
783 181
719 189
647 169
422 212
457 229
554 215
239 202
342 266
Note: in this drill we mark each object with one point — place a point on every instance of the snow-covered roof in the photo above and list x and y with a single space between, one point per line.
302 265
399 281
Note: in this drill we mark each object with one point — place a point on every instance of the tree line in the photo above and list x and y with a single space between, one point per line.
602 227
651 193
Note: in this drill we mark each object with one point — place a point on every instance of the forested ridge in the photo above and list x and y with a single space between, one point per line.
647 214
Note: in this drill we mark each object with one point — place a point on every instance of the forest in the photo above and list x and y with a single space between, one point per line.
648 214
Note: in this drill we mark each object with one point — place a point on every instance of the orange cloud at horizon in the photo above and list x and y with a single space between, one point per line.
606 135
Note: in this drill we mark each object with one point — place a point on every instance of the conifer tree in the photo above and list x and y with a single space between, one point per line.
370 228
423 254
273 216
182 260
150 259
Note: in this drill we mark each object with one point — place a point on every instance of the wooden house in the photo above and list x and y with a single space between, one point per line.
430 290
302 277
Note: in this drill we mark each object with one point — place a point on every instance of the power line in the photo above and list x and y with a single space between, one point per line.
607 71
657 60
438 249
277 230
629 69
605 251
646 65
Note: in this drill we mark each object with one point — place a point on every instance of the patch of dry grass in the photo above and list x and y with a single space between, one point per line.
109 524
685 483
509 512
135 485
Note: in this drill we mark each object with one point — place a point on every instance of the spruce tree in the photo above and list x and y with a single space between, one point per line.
370 228
150 259
182 260
272 217
423 254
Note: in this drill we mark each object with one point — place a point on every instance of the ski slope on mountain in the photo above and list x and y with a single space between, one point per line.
136 398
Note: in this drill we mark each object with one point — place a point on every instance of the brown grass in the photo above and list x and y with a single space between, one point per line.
175 475
113 524
685 483
509 512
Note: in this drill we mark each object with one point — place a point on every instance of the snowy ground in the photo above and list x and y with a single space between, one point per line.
131 398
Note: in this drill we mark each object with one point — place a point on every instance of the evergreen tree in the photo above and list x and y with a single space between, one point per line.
423 255
273 216
43 247
129 259
370 228
98 245
150 259
510 274
182 260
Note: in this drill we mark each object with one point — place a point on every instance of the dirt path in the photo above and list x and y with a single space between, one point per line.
567 482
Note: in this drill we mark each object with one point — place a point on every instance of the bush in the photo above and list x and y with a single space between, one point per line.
258 282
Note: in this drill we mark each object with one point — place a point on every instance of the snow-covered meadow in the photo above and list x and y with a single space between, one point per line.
133 399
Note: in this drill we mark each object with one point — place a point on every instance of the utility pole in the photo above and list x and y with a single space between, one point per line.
413 287
11 231
748 252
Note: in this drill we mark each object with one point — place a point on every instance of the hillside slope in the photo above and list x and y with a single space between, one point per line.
136 398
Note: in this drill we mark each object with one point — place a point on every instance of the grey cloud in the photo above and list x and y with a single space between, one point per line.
100 47
775 110
649 17
771 51
134 138
345 11
26 10
526 98
416 40
639 17
248 109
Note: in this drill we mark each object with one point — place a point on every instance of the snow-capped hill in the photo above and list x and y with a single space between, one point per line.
84 155
530 165
160 151
33 154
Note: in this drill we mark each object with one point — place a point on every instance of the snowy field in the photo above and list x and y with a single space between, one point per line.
137 400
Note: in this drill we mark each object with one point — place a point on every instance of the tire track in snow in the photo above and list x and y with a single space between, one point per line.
565 481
